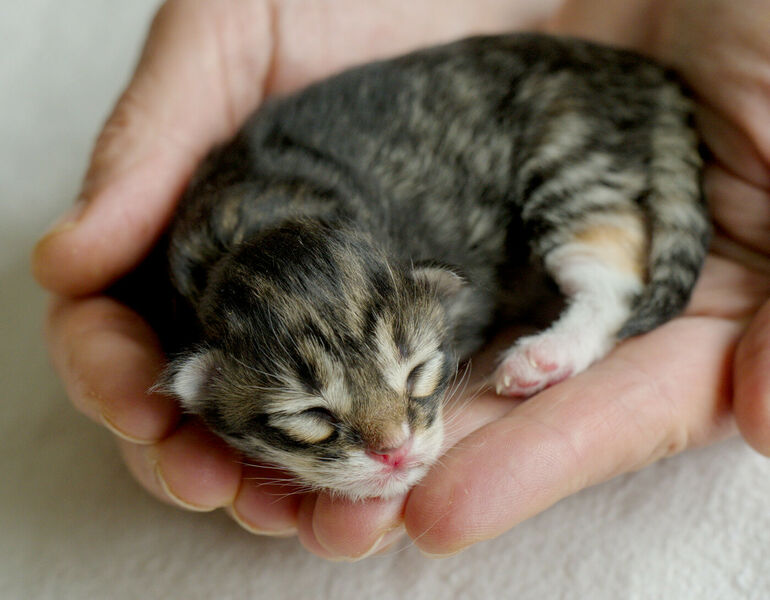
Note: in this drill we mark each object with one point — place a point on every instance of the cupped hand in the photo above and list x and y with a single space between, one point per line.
723 51
204 68
689 381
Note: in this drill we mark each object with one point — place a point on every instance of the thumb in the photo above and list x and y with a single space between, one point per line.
198 77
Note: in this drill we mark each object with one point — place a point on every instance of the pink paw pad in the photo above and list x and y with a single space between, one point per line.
532 365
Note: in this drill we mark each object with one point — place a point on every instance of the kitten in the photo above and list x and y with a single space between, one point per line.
359 238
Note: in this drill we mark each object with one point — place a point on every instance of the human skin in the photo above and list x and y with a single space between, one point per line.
207 65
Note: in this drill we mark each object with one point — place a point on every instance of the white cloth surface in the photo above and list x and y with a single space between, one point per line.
74 525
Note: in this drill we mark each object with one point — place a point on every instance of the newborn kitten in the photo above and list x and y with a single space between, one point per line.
359 238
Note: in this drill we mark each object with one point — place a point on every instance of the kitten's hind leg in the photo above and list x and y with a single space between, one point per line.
600 270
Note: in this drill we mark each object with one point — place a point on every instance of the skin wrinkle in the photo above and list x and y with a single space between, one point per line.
743 292
680 435
241 68
126 117
565 441
725 61
153 416
649 386
226 85
466 529
754 199
735 153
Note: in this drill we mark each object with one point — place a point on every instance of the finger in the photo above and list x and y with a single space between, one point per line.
196 469
190 469
729 287
752 382
205 66
141 461
731 72
201 72
740 208
305 531
733 149
319 37
267 502
354 530
108 359
652 397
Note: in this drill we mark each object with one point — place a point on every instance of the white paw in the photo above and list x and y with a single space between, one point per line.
540 361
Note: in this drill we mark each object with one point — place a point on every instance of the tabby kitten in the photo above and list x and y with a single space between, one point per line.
359 238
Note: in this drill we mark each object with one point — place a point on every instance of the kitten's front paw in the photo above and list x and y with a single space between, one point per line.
535 363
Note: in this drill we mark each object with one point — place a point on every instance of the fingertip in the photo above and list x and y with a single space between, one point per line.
189 469
305 531
196 469
110 233
751 402
46 247
753 418
108 359
249 525
355 529
141 461
267 504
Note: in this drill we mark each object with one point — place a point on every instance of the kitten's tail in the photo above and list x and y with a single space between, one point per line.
678 225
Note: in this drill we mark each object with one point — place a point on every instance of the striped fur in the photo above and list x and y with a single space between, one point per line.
359 238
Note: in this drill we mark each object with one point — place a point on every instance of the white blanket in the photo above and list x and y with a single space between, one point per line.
73 524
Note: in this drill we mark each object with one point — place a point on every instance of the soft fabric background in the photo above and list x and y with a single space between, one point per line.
74 525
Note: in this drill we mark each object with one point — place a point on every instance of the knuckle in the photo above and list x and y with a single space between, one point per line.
118 141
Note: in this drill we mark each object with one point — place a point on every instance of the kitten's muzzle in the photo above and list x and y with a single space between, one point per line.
393 456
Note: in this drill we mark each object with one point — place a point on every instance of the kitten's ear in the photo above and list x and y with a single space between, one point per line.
446 282
186 377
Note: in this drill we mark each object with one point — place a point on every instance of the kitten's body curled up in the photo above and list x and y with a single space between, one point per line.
357 239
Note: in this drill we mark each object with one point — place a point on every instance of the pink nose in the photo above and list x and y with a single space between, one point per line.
392 457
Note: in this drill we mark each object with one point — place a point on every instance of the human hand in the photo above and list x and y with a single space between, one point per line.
723 51
680 385
204 68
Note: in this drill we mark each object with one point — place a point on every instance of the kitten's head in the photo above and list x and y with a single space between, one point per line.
323 358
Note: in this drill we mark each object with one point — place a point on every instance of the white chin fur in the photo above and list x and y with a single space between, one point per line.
357 476
382 486
360 477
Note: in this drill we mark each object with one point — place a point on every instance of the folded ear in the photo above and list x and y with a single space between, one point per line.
186 377
446 282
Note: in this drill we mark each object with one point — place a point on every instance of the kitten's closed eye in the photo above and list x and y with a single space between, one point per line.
423 379
310 426
320 412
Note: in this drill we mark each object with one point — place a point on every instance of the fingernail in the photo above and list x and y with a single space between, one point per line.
173 496
382 542
122 434
288 532
436 556
68 220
